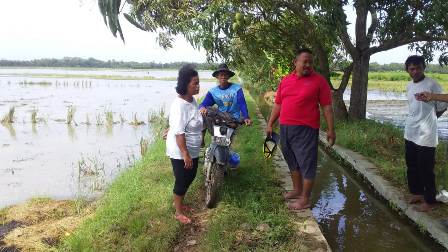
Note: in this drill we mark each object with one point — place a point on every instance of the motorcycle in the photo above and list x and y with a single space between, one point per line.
219 158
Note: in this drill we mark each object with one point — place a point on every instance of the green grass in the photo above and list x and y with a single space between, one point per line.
394 81
250 198
383 145
136 212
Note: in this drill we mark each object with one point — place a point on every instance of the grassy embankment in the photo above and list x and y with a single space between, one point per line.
383 145
395 81
136 213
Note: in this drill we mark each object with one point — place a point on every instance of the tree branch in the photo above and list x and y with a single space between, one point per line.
389 44
373 25
361 24
346 77
343 34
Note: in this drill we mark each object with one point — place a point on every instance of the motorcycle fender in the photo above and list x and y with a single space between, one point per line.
221 154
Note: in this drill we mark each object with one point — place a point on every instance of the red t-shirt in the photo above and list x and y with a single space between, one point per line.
300 99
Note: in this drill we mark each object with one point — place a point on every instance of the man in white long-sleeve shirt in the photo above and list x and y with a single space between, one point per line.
420 135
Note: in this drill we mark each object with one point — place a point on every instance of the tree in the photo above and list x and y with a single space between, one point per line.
272 30
421 24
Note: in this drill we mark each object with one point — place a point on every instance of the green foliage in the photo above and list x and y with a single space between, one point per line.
383 145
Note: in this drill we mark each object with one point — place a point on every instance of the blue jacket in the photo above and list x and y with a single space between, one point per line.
229 100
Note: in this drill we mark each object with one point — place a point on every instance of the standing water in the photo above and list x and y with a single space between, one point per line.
352 217
71 136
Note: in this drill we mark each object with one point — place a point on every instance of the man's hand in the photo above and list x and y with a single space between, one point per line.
425 96
203 111
188 161
331 137
268 131
248 121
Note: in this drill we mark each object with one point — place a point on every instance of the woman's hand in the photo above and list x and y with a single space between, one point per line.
188 161
203 111
165 133
248 121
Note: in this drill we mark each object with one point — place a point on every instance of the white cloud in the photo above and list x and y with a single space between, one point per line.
33 29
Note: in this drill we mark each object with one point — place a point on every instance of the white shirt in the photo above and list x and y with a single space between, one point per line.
421 123
185 119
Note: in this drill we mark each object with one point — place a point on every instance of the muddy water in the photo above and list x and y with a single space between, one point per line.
53 159
352 217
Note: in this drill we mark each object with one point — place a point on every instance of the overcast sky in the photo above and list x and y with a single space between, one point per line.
33 29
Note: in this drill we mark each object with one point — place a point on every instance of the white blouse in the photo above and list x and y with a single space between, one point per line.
184 118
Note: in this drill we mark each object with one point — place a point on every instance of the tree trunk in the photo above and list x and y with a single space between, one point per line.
339 108
358 97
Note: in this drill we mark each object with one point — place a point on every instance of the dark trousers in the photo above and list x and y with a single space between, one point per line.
183 176
420 161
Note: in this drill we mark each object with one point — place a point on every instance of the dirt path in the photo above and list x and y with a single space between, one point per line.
191 235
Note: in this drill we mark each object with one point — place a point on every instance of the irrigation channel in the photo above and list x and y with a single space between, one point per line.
350 214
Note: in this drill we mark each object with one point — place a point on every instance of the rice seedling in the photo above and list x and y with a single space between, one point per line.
87 120
109 118
136 122
99 120
90 166
34 116
41 83
9 117
71 114
144 144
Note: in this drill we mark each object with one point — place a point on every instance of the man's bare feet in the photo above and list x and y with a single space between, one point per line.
299 204
425 207
291 195
416 199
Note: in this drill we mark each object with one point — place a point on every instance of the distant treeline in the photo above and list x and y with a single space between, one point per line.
431 68
94 63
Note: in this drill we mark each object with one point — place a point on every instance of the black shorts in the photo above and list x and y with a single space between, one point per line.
183 177
299 148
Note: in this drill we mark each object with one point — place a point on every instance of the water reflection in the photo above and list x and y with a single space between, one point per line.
353 219
11 130
48 157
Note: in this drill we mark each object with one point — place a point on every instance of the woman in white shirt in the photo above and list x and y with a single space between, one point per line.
184 137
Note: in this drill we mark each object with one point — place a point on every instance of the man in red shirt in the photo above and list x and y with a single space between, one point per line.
297 102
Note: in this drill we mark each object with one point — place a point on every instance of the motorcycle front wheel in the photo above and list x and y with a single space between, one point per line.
213 184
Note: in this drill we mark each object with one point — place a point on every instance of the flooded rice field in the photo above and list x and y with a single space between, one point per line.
392 108
69 137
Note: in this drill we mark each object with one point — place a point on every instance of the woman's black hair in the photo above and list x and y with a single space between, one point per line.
415 60
186 73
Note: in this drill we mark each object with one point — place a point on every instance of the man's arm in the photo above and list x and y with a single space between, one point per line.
427 96
241 100
207 102
273 118
328 114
